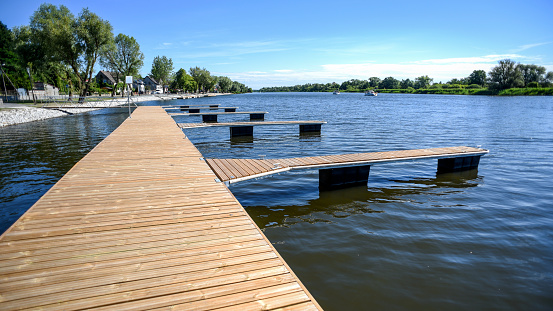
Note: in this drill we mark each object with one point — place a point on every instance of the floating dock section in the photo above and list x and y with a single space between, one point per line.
212 116
337 171
140 223
246 128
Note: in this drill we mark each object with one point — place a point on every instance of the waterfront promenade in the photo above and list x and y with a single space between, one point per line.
141 223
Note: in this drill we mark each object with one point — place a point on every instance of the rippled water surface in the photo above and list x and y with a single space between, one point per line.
409 239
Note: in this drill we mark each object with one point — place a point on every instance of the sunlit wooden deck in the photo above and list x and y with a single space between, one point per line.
252 123
140 223
234 170
198 108
215 113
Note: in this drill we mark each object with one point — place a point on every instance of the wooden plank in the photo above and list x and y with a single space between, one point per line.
187 281
244 167
255 165
247 166
236 169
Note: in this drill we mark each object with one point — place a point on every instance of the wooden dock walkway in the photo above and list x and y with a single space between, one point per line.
140 223
235 170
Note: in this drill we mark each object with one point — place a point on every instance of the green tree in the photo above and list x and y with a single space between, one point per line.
505 75
477 77
422 82
203 78
183 81
75 42
10 61
374 82
389 83
548 80
162 69
224 83
122 57
532 73
406 83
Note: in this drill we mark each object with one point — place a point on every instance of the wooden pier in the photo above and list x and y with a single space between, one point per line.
191 106
340 170
140 223
198 108
246 128
212 116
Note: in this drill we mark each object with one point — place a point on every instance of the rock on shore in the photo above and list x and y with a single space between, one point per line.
23 114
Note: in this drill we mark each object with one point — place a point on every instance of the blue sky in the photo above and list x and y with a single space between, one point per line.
275 43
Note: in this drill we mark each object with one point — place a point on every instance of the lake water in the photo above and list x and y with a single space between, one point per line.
409 239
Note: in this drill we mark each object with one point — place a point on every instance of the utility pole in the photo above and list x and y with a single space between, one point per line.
128 82
32 84
4 81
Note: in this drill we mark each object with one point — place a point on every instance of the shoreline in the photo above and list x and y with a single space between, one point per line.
19 113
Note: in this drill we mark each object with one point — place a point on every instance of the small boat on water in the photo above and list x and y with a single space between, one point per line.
371 93
336 92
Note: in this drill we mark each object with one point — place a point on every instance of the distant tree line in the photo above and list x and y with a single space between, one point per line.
62 49
506 75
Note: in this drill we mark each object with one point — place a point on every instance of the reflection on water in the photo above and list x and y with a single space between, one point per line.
242 142
356 200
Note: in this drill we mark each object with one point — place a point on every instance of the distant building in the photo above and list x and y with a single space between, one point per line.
42 89
139 86
152 85
105 77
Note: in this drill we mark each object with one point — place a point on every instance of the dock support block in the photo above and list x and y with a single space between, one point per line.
458 164
308 128
336 178
193 110
230 109
257 116
237 131
209 117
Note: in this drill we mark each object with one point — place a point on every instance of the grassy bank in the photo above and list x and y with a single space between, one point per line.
481 91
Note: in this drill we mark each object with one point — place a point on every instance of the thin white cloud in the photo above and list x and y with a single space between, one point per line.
283 70
470 60
227 53
163 46
529 46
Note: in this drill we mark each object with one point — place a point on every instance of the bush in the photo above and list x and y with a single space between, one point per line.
453 86
474 86
533 84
